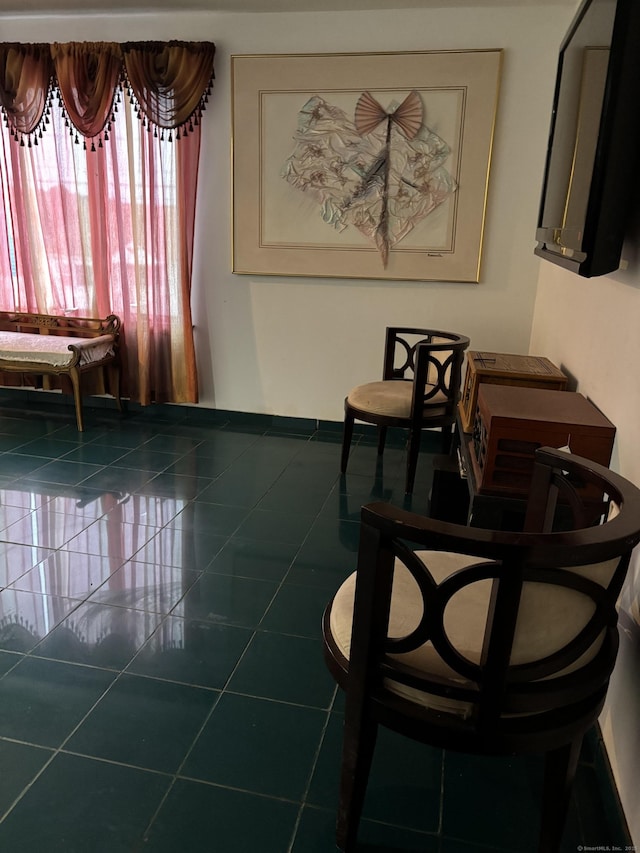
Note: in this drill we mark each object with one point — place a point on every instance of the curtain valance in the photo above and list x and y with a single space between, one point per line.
168 82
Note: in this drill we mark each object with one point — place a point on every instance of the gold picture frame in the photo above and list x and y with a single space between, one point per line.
368 165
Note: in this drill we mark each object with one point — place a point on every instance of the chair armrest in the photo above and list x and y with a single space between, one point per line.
396 523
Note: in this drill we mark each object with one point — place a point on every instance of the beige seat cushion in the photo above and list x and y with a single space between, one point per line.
390 398
549 617
52 350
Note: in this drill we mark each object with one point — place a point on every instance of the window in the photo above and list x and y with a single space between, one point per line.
99 195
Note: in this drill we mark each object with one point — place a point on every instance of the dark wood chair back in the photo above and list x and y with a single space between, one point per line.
429 359
485 641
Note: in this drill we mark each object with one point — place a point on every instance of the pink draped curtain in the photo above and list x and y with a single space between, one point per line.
99 209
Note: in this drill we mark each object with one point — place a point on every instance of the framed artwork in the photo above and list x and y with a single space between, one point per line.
368 165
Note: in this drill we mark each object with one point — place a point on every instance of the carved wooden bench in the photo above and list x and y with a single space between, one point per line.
46 345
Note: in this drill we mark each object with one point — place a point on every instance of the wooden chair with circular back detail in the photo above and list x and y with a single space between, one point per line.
420 389
484 641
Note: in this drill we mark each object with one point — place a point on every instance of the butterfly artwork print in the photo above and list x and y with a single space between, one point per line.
380 171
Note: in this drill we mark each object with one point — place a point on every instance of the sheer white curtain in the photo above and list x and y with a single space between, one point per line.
100 225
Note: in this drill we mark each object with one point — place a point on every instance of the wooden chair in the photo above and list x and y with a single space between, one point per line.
485 641
420 388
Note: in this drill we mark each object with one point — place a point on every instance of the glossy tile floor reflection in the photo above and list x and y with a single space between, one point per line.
162 686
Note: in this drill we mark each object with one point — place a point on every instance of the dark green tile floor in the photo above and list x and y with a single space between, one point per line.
162 686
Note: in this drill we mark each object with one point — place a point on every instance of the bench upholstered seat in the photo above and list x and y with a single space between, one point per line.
54 350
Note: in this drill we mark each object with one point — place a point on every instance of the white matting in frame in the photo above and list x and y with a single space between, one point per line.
368 165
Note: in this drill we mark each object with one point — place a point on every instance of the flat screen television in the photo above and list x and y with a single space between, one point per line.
594 141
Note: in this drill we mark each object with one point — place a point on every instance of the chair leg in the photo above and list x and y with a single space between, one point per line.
382 438
447 439
559 773
357 755
413 449
74 375
114 371
347 434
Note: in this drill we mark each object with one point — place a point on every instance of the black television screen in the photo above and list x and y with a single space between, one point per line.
594 140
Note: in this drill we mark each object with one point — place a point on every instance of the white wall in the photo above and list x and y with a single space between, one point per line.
590 328
300 343
294 346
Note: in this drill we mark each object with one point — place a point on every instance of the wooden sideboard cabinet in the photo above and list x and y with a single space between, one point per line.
500 368
512 422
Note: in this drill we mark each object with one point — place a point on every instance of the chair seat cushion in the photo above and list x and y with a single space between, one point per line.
465 621
389 398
